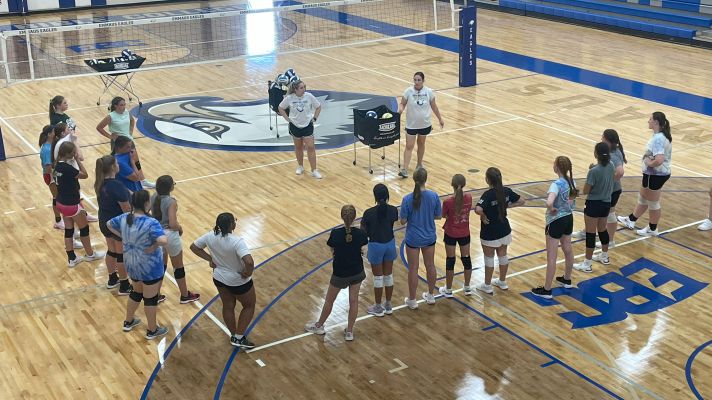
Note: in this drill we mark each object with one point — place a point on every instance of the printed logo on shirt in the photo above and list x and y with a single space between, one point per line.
218 124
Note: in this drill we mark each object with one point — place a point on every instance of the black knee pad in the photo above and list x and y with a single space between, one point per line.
68 233
84 232
179 273
54 202
111 254
450 263
605 238
466 262
590 240
119 257
136 296
151 301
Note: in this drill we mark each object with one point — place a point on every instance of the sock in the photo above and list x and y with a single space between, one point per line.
71 256
238 336
632 217
604 254
653 227
57 219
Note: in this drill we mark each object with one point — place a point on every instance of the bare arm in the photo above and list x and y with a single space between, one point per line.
249 266
132 124
101 127
317 112
402 104
436 111
125 207
550 203
173 218
82 171
481 212
160 241
202 254
586 189
620 170
283 113
517 203
655 161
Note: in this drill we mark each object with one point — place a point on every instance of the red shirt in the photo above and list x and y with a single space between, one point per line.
457 226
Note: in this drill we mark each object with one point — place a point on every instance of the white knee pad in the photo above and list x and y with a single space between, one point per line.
489 262
504 260
378 281
642 201
654 205
388 280
612 218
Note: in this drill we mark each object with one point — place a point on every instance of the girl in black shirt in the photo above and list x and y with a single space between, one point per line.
346 243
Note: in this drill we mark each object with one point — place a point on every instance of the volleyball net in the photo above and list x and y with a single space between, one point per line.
52 50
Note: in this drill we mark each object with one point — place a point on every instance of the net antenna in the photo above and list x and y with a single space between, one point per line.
58 49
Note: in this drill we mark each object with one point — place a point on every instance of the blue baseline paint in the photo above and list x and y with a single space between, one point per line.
688 369
552 362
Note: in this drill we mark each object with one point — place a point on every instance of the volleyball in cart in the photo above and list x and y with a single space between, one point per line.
376 128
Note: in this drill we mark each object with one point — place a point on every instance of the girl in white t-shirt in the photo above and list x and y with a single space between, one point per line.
304 110
232 266
418 101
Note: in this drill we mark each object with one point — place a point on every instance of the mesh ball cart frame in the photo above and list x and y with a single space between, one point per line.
377 133
275 96
121 67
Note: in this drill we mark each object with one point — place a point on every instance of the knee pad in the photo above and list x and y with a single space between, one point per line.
151 301
605 239
489 262
54 202
111 254
466 262
504 260
450 263
136 296
179 273
641 200
590 240
654 205
119 257
378 281
68 233
84 232
388 280
612 219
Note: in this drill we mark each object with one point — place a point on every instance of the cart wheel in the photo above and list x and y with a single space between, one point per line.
98 103
140 104
370 171
383 157
270 128
354 162
130 99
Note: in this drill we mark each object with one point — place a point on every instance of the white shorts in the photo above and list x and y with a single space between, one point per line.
505 241
174 246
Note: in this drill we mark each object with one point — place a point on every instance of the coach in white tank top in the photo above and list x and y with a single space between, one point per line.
304 111
418 102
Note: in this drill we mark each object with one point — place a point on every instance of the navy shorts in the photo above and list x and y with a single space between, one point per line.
422 131
300 133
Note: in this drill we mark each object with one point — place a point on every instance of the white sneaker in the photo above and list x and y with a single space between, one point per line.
446 292
148 184
647 232
500 284
611 244
602 258
412 304
706 225
316 174
92 218
300 170
348 336
96 256
60 225
483 287
317 330
75 262
403 173
467 290
78 244
579 234
626 222
584 266
429 298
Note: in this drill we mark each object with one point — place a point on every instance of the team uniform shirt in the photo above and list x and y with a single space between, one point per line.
600 178
111 193
379 230
347 255
227 253
67 184
417 107
420 231
125 169
457 226
617 160
563 205
142 234
301 109
120 124
658 144
67 138
55 118
46 155
497 228
166 202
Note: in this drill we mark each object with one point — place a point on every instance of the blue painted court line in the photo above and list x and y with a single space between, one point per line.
664 237
491 327
552 362
688 369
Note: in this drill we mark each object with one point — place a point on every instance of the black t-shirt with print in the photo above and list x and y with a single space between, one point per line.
497 228
347 255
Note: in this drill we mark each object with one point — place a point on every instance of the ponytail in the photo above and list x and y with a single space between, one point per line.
224 224
164 186
664 124
420 176
138 202
563 165
611 135
494 179
380 194
602 153
45 134
103 168
458 182
115 102
56 101
58 132
348 214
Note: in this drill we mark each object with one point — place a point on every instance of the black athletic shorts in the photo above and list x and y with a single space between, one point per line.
596 208
560 227
344 282
236 290
301 132
654 182
106 232
422 131
451 241
615 196
421 247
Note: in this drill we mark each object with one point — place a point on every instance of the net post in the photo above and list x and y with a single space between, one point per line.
2 147
435 14
468 46
30 61
3 48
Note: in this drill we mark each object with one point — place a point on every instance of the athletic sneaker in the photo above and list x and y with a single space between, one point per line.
59 225
626 222
446 292
191 297
403 173
412 304
706 225
317 330
92 218
300 170
376 310
78 244
348 336
161 298
128 325
429 298
125 288
242 342
500 284
603 259
578 235
584 266
97 255
160 331
387 307
611 244
483 287
467 290
541 292
647 232
113 281
75 262
566 283
148 184
316 174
